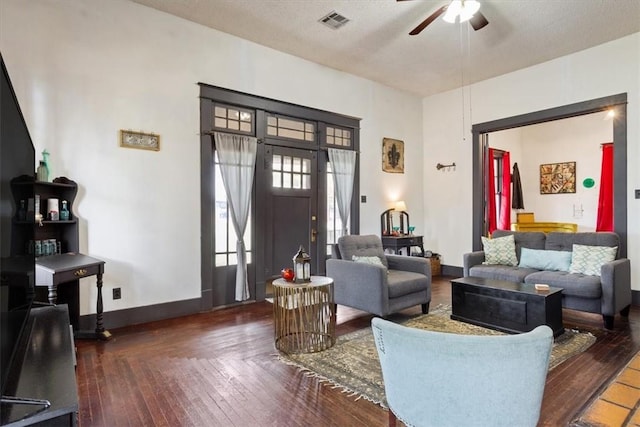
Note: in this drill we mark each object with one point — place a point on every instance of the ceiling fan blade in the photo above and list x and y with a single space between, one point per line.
428 21
478 21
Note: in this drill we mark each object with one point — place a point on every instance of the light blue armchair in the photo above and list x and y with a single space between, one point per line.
439 379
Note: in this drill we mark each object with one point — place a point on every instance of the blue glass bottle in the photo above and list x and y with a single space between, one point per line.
64 212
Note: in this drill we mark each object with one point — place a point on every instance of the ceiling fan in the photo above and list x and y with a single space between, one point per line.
467 10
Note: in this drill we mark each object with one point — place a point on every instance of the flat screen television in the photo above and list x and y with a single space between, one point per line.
17 266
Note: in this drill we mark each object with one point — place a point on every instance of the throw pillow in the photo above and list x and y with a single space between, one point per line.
373 260
589 259
500 251
541 259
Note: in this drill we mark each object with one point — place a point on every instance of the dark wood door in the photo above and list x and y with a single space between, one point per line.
291 207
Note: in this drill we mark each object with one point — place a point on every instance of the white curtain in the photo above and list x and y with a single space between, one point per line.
237 158
343 164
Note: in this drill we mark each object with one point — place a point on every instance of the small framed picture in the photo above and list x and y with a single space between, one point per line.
142 140
392 155
558 178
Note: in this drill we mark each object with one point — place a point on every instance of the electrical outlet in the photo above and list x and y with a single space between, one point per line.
363 199
637 193
116 293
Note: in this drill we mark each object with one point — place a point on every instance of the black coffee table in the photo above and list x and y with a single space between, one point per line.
506 306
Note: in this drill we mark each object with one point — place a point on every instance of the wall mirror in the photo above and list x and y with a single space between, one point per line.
481 141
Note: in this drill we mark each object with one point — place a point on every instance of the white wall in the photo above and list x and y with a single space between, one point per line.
576 139
604 70
83 69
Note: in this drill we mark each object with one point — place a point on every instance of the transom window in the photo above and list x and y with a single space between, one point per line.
291 172
291 128
233 118
340 137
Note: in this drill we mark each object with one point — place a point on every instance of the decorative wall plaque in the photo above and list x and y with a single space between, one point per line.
142 140
392 155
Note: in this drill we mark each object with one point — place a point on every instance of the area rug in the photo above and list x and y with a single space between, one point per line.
352 363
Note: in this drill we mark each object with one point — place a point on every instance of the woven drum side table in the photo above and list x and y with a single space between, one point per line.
304 315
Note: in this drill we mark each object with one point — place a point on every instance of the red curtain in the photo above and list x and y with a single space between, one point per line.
491 193
504 220
605 202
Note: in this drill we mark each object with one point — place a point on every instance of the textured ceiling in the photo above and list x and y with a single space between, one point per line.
375 44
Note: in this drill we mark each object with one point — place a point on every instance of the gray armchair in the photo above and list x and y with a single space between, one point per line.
399 282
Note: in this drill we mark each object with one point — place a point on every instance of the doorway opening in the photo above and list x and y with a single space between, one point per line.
616 103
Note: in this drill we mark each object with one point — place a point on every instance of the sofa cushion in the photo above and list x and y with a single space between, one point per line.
368 245
577 285
589 259
405 282
524 239
501 272
541 259
565 241
500 251
373 260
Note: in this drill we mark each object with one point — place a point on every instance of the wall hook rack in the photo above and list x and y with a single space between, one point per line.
441 166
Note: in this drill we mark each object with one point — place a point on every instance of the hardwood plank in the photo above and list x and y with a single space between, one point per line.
221 368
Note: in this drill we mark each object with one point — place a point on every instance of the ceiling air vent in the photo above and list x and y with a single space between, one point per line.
334 20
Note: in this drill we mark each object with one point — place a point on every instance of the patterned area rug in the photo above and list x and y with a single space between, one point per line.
352 363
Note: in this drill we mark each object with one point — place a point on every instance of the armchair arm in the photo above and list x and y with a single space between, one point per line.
615 277
359 285
410 263
470 259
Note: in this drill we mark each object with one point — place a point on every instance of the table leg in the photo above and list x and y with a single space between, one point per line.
101 332
53 294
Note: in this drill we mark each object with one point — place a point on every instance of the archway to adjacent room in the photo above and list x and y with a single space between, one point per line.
617 103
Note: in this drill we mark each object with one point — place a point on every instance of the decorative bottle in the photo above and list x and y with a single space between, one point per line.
64 212
42 172
45 159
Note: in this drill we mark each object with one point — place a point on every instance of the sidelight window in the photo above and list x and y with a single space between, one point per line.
225 235
334 220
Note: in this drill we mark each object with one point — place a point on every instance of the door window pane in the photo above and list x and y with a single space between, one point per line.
291 172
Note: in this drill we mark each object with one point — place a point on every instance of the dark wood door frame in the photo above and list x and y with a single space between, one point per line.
216 296
616 102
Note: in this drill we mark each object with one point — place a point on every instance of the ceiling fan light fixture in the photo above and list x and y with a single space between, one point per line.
469 8
453 10
465 9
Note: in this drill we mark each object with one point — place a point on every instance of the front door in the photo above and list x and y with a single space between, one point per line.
291 207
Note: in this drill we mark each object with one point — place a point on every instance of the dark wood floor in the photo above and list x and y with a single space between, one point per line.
220 368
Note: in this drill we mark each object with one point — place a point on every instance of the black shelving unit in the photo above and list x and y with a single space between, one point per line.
65 232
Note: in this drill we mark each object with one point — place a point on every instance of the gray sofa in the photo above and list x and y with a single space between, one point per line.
606 294
399 282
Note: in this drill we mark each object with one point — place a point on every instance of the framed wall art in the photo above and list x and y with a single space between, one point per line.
142 140
558 178
392 155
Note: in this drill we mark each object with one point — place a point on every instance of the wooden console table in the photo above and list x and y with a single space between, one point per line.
57 269
304 315
395 243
